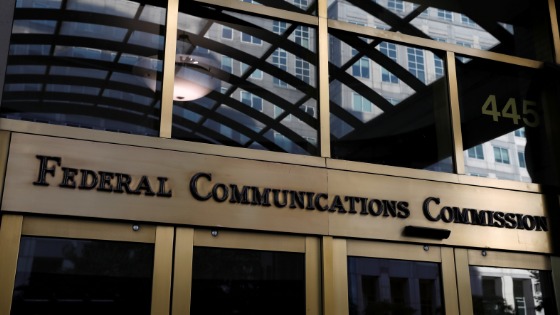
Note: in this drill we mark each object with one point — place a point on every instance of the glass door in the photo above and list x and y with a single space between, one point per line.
389 278
505 283
63 266
229 272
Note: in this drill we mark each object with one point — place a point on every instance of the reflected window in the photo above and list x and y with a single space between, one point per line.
68 276
238 281
388 286
273 63
361 67
501 155
381 123
519 28
511 291
103 72
476 152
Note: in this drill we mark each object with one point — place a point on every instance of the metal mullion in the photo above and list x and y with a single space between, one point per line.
555 30
312 275
458 158
555 264
335 276
163 268
182 275
323 80
10 235
449 281
463 281
169 69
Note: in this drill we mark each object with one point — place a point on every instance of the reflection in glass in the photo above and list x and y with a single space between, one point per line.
94 56
66 276
387 286
497 291
389 103
247 282
502 121
516 28
300 6
257 80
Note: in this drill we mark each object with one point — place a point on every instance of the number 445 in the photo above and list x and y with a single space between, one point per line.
530 116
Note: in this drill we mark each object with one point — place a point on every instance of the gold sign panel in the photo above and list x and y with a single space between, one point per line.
48 175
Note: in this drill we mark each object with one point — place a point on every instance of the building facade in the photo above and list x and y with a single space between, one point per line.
281 157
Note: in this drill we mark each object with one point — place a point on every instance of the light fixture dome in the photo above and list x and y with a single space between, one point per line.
193 75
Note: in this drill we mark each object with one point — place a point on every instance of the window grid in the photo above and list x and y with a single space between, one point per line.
227 64
361 104
445 15
501 155
302 70
395 5
476 152
252 100
416 63
389 50
302 36
280 59
227 32
361 67
521 158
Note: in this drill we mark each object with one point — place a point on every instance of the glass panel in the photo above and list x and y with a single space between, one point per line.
388 286
502 121
238 281
245 81
67 276
300 6
389 104
101 64
516 28
511 291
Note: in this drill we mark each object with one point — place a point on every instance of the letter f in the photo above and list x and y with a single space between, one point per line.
44 169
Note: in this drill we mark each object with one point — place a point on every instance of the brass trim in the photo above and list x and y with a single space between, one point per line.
10 235
393 251
335 276
169 69
555 31
463 282
182 276
262 10
508 260
449 281
424 43
68 228
4 151
323 73
313 276
244 240
163 268
458 158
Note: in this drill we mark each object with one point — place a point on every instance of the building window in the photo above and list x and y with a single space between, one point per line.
302 4
361 67
361 104
389 50
256 74
280 59
395 5
278 111
302 70
463 43
476 152
279 27
227 32
501 155
416 63
467 21
250 39
310 110
520 133
445 15
521 158
438 67
252 100
227 64
302 36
